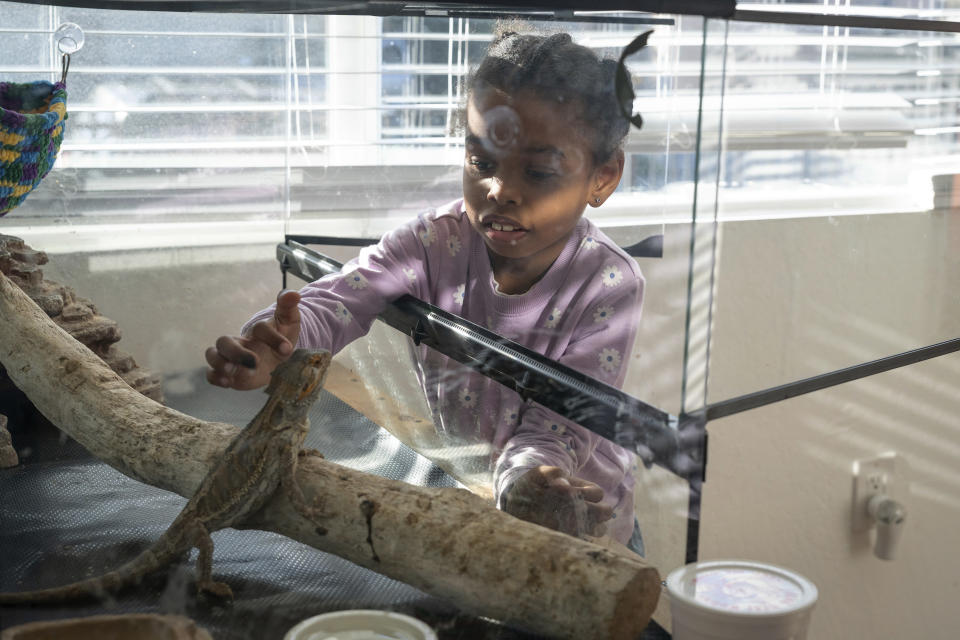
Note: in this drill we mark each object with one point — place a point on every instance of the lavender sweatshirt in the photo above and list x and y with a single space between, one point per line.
583 313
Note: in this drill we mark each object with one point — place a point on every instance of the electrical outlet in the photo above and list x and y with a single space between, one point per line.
872 476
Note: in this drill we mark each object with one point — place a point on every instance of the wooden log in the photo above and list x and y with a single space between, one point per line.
447 542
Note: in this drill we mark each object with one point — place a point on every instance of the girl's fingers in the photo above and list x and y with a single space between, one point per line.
549 474
230 350
599 512
287 312
265 333
221 370
218 379
559 479
214 359
218 363
591 492
550 496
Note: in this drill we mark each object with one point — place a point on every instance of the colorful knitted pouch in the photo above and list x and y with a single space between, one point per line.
31 128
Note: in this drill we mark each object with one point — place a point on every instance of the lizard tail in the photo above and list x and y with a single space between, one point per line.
96 588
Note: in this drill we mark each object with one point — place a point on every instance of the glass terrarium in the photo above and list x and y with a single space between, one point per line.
788 190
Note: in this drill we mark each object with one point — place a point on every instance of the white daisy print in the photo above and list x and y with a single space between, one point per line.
602 314
610 360
429 235
343 313
410 273
454 245
589 243
356 280
611 276
553 318
458 294
467 398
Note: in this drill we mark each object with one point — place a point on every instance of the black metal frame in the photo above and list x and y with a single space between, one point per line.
597 406
676 443
840 20
816 383
537 9
550 10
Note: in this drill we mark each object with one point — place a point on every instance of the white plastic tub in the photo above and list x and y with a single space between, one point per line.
361 624
737 600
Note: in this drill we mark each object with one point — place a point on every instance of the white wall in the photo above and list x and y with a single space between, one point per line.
802 297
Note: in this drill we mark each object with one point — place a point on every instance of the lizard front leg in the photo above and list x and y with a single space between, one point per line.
288 480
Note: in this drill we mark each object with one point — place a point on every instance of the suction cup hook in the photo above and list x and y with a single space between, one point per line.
69 39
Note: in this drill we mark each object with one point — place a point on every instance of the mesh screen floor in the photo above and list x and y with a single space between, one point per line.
65 516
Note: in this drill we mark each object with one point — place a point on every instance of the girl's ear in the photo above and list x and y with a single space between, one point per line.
606 177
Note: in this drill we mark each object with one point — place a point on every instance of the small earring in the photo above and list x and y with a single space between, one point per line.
597 200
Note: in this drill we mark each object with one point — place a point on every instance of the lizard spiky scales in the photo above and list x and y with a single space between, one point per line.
258 462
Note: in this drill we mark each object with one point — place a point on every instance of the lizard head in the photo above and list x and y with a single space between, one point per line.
299 378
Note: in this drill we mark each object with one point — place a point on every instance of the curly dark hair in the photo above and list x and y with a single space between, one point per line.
554 68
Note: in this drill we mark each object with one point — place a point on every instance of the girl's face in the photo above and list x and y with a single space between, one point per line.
528 174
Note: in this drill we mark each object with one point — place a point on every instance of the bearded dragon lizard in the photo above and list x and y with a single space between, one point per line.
260 459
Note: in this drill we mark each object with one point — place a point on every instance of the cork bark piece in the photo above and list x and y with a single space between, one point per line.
78 316
8 455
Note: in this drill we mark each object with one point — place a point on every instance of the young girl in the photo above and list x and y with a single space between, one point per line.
543 136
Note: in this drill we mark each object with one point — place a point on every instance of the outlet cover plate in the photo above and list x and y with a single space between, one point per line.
870 477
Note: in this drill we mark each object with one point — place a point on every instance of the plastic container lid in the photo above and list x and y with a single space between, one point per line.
739 588
361 624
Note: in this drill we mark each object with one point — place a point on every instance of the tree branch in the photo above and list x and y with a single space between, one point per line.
447 542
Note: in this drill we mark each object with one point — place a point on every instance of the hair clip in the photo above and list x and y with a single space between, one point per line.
623 86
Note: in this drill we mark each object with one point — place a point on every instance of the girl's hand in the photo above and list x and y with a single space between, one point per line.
550 497
245 362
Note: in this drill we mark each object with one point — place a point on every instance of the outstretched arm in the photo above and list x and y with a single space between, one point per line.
326 314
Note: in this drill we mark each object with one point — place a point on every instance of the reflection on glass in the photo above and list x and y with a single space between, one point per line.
833 142
543 141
